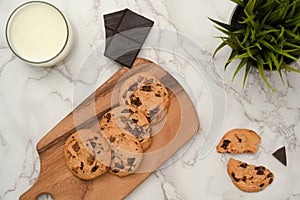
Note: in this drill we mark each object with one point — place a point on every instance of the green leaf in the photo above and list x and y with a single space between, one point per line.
226 32
223 25
275 60
248 67
241 56
239 2
289 68
247 34
266 44
284 53
262 74
232 54
239 67
280 74
218 48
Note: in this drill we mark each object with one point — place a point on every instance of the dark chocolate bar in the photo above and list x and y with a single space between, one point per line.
126 32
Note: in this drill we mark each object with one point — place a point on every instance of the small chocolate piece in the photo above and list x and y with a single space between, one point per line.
126 32
280 155
225 144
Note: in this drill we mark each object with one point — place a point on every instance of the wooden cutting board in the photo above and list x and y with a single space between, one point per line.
179 126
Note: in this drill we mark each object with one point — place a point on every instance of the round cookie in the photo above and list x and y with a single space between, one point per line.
152 99
130 120
239 141
249 178
133 83
127 152
87 154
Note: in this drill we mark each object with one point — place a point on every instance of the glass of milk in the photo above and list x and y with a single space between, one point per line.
39 34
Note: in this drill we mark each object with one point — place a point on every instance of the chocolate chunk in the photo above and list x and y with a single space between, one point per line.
260 170
130 161
136 101
135 120
96 138
225 144
234 178
146 88
270 175
127 111
239 139
271 180
244 179
93 144
95 168
157 95
90 160
119 166
107 116
244 165
115 170
81 165
280 155
112 139
76 147
153 112
133 87
126 32
261 185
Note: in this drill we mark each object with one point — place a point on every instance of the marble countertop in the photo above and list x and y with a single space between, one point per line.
33 100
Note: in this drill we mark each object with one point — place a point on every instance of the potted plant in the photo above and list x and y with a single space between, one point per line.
264 34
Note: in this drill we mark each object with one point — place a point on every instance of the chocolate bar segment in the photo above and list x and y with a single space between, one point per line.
126 32
280 154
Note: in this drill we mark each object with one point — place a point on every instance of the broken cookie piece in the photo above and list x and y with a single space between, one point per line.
239 141
249 178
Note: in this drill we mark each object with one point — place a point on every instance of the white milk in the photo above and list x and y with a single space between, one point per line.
39 34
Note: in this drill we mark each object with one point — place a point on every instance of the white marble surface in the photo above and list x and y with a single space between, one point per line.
33 100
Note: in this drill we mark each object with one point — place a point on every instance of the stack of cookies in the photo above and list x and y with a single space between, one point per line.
248 178
125 131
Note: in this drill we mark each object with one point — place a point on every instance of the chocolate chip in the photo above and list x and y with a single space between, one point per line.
135 120
157 95
244 165
119 165
90 160
146 88
76 147
137 132
269 175
244 179
271 180
112 139
93 144
234 178
225 144
115 170
107 116
239 139
133 87
136 101
262 185
260 170
127 111
96 138
98 152
130 161
153 112
95 168
81 165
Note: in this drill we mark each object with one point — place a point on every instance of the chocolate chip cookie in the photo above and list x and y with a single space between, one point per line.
239 141
146 93
131 120
87 154
127 152
249 178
